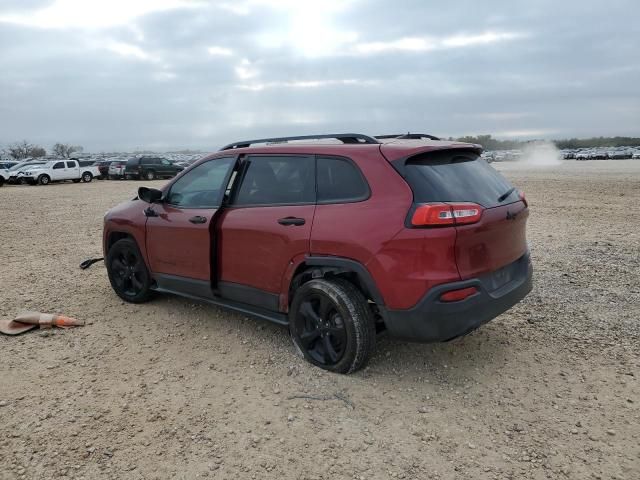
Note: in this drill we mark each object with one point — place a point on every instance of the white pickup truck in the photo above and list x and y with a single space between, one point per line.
58 170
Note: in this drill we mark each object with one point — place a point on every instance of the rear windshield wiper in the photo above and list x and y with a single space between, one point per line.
504 196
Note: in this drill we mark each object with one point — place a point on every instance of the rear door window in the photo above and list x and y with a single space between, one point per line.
340 181
71 164
456 177
277 180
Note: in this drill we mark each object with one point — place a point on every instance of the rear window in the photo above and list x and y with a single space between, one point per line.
340 181
456 177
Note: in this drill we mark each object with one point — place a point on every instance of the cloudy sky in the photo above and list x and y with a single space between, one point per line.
124 74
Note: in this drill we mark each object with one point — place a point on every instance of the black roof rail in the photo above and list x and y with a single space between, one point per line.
350 138
408 136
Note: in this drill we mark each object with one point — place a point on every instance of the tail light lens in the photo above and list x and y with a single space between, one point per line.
434 214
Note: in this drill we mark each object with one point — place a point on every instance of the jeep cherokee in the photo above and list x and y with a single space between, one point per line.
337 237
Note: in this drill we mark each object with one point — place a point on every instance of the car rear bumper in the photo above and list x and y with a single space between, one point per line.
433 320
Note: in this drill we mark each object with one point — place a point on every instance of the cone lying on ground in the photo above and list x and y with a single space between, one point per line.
30 320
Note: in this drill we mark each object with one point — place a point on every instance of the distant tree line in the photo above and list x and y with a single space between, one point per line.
25 149
490 143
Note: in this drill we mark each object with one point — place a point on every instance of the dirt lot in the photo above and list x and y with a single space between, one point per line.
175 389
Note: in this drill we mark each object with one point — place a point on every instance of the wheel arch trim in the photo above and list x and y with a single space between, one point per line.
332 264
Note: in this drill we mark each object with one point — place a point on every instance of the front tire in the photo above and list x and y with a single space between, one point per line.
332 326
150 175
128 273
44 180
87 177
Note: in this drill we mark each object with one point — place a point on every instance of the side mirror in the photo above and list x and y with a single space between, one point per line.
149 195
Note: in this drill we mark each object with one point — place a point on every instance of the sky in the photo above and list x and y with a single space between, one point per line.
168 74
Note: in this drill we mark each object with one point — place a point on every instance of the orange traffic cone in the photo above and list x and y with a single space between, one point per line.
30 320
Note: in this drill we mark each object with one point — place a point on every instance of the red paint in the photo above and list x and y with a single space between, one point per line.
493 242
175 246
253 249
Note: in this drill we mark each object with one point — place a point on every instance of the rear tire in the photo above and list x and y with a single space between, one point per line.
1 181
44 180
128 273
87 177
332 326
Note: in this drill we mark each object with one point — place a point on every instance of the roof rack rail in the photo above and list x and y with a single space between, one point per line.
343 137
408 136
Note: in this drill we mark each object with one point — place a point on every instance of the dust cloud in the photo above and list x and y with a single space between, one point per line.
540 154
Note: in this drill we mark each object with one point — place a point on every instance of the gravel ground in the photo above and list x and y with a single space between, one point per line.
176 389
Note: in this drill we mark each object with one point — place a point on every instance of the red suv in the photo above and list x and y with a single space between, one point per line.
338 237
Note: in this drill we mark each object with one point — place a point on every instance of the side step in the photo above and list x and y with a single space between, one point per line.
251 310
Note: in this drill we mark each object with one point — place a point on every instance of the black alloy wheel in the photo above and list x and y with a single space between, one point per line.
332 325
322 331
128 272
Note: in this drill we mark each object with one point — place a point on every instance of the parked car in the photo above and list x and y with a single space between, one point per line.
339 242
103 167
151 168
116 169
7 165
14 171
21 178
60 170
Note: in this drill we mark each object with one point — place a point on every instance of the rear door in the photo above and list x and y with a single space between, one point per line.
72 171
267 225
498 238
179 234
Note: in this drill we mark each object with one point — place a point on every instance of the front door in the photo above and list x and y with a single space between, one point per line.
58 171
267 225
178 232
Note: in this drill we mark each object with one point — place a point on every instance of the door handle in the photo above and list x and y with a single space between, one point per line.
150 212
198 219
291 221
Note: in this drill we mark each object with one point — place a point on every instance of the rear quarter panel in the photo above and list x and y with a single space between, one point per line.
403 262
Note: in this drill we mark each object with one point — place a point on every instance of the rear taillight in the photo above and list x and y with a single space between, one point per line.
434 214
523 199
457 295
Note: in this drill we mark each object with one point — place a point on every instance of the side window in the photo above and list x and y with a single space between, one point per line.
71 164
201 187
277 180
339 180
58 165
166 162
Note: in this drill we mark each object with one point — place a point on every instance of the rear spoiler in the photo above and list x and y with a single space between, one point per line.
394 152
